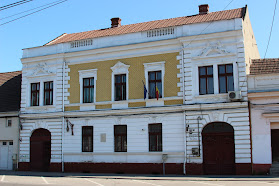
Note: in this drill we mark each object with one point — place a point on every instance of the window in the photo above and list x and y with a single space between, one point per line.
225 76
206 85
48 93
120 87
9 123
87 139
88 90
4 143
120 138
35 91
155 137
155 82
11 143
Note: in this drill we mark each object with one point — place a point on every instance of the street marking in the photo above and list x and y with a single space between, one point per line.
93 182
265 182
206 183
2 179
44 180
146 183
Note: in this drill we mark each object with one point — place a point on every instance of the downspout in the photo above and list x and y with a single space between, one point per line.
63 118
250 125
184 116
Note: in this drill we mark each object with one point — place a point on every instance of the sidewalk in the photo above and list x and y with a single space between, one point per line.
145 177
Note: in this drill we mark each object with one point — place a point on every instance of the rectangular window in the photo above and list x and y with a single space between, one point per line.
120 87
225 76
88 90
9 123
120 138
87 139
154 80
48 93
155 137
11 143
35 92
206 85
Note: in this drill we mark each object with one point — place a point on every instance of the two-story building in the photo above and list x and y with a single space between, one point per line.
10 87
149 97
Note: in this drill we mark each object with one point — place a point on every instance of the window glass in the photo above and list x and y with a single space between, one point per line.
87 139
226 82
48 93
206 84
120 87
88 90
155 80
120 138
155 137
35 90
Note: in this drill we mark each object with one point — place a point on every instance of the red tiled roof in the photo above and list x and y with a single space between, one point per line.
10 94
4 77
264 66
139 27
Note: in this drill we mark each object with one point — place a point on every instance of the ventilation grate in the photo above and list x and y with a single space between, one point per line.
160 32
81 43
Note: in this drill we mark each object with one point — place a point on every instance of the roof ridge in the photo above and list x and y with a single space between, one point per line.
10 72
62 35
151 21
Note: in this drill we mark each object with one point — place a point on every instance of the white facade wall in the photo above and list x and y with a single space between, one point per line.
264 96
9 134
137 139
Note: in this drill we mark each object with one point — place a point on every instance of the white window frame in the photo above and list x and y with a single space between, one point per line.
154 66
216 77
119 68
87 74
41 80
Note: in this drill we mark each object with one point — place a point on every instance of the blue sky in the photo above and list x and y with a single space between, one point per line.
83 15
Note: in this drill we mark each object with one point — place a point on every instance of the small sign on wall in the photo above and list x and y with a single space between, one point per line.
103 137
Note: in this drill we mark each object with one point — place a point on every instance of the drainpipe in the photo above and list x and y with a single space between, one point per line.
184 117
63 118
251 144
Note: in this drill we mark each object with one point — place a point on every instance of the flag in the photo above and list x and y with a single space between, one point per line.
144 90
157 93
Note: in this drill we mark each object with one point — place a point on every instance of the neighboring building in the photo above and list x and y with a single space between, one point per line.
10 87
83 105
263 94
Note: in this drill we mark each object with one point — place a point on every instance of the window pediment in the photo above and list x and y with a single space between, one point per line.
120 68
213 50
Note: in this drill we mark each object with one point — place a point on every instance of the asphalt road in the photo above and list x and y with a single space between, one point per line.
64 179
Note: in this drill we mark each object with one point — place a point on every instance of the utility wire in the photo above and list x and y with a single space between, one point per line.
14 4
33 12
28 10
270 29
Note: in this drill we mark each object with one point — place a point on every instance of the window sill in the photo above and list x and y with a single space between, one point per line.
41 107
212 95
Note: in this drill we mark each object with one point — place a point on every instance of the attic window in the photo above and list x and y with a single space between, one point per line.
81 43
160 32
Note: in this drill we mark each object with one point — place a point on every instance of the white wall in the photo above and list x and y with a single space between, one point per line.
137 139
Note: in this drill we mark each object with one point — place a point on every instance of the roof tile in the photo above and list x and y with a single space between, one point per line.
139 27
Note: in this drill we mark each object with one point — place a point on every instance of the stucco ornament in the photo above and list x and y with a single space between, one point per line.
40 124
213 49
120 67
215 116
41 69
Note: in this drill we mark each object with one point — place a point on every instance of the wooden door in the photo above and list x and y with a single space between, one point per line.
218 150
40 150
275 144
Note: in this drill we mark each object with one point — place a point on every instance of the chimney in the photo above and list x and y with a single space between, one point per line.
203 9
115 22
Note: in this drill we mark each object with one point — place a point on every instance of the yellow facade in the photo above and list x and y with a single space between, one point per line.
136 76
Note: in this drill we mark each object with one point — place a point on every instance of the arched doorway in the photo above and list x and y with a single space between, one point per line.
40 150
218 149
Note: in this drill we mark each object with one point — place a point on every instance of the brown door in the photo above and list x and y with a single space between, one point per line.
218 149
40 150
275 145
